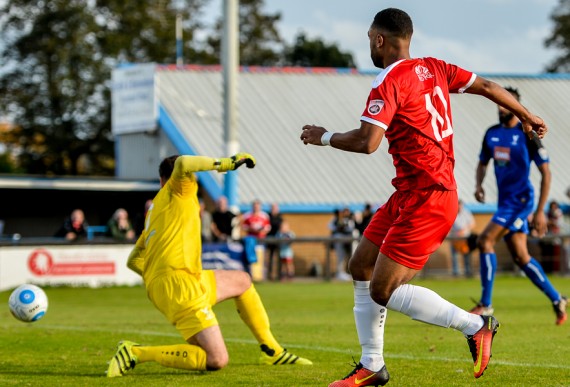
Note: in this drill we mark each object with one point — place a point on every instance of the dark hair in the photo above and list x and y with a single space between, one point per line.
166 167
395 21
514 91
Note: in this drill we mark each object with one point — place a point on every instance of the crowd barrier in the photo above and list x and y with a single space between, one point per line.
552 250
102 261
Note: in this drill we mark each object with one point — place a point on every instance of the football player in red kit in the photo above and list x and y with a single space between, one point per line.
409 104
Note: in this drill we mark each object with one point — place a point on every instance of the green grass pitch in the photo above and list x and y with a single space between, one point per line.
71 345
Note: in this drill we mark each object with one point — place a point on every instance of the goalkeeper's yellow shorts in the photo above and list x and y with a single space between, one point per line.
186 300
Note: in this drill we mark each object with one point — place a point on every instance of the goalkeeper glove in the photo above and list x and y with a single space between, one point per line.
243 158
234 162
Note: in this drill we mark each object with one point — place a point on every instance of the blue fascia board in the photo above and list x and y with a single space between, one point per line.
294 208
206 179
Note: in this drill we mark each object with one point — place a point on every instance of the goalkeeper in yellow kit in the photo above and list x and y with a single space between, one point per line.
168 257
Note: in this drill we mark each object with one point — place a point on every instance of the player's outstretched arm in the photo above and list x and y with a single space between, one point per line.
365 139
189 164
496 93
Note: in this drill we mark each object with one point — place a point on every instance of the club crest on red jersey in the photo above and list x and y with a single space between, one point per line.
375 106
423 73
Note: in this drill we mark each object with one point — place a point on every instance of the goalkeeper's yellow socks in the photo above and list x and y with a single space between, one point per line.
181 356
253 314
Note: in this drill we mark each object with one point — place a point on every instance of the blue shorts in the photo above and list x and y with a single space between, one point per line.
514 218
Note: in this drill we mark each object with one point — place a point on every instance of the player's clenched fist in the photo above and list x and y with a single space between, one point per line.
312 135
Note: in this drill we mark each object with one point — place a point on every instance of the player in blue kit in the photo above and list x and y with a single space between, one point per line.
512 153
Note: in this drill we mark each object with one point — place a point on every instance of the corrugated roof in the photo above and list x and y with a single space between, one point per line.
275 103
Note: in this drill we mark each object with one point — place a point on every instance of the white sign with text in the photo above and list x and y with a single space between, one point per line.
86 265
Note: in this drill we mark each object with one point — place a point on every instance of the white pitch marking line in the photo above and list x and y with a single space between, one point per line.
315 348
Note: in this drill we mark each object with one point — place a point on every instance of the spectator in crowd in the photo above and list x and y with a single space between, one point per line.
256 222
275 220
222 221
236 223
119 226
286 251
365 217
551 248
74 227
206 222
462 228
342 225
554 218
138 222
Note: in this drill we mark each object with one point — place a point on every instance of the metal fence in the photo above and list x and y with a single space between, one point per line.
553 251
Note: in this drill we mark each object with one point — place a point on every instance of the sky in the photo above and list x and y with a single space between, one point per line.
484 36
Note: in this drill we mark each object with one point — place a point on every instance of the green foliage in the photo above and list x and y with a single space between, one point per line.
72 343
307 52
54 83
262 45
59 56
6 164
260 41
144 31
560 37
258 35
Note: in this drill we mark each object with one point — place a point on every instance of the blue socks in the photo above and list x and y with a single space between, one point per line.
533 270
488 267
535 273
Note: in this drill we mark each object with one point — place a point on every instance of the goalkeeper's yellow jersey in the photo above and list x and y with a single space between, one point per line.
171 239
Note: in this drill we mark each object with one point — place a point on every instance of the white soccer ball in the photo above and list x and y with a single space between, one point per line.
28 303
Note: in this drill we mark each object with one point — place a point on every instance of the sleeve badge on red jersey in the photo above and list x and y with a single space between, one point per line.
375 106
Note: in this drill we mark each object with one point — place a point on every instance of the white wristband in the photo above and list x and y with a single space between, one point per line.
326 138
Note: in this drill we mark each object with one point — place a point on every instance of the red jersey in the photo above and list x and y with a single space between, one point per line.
410 101
256 224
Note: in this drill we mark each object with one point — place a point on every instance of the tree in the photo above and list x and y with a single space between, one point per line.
560 37
48 85
260 43
144 30
58 57
9 139
306 52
